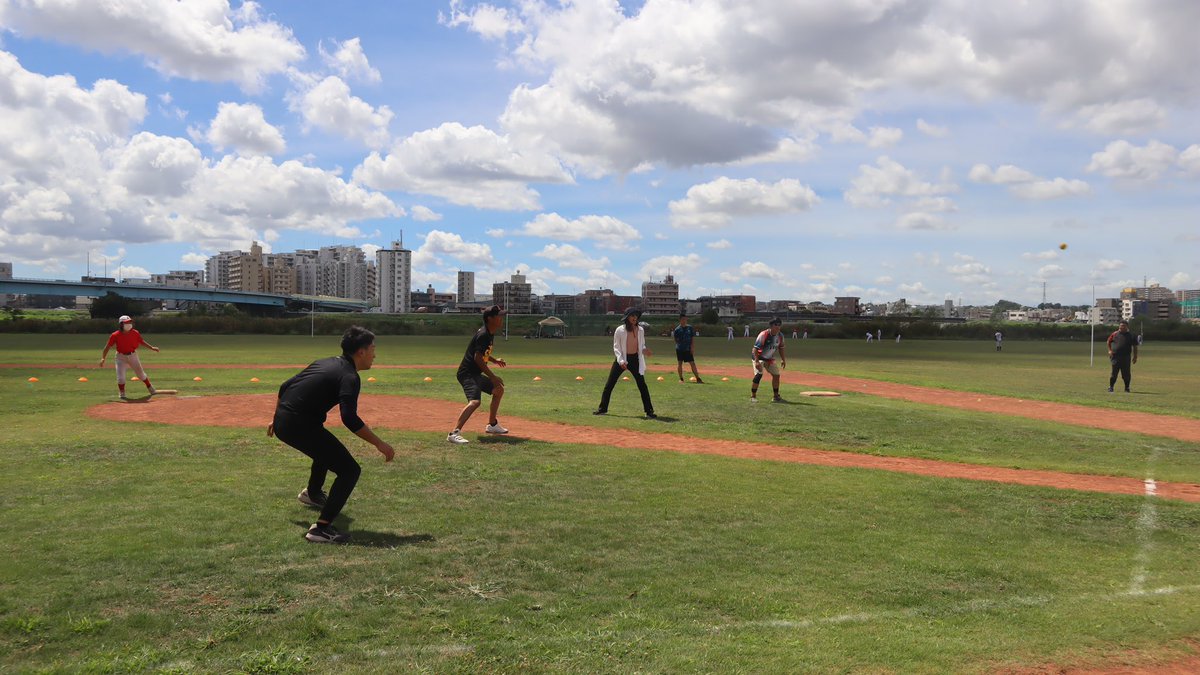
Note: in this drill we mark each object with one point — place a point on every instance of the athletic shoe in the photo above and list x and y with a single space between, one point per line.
599 412
681 380
777 399
325 534
153 391
754 399
651 416
455 437
126 398
1126 390
699 381
316 499
1110 390
496 429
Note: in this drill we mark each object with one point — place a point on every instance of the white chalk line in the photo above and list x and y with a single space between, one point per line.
968 607
1147 523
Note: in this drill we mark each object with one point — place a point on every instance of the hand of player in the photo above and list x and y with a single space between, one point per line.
1135 359
1110 353
624 366
271 430
102 362
783 364
156 349
647 352
501 363
758 366
387 450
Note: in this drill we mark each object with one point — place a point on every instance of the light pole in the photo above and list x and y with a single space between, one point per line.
506 287
312 319
1092 320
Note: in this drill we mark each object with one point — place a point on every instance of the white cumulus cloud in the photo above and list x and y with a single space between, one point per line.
330 107
1124 160
440 245
606 231
471 166
349 61
424 214
716 204
242 127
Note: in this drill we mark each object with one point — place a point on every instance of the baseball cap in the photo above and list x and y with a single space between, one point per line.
776 321
494 310
125 318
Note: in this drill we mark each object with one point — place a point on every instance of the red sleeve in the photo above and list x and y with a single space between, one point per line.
112 340
1110 339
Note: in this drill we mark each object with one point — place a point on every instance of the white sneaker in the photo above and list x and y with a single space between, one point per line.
153 391
754 399
455 437
496 429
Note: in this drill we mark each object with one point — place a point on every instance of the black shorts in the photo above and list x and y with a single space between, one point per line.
474 386
684 357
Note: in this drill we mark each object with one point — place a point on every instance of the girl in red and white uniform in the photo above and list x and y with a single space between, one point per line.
126 339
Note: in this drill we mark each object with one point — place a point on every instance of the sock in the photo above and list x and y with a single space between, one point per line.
776 393
147 383
753 393
494 423
121 386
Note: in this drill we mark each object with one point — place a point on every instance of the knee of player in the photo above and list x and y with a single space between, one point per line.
351 471
498 390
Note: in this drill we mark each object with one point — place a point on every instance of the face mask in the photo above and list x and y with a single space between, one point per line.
126 327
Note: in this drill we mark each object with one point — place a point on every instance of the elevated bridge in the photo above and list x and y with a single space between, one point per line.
96 289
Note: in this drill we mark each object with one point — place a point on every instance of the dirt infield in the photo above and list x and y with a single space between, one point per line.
428 415
1151 424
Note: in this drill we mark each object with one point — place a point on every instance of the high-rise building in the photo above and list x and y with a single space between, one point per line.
1151 292
6 270
514 295
395 278
246 270
660 297
466 286
216 270
180 278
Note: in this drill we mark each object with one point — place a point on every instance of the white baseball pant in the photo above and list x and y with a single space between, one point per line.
129 361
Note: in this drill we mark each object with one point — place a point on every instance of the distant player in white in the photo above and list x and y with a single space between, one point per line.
879 334
870 336
795 333
897 338
746 333
730 335
999 339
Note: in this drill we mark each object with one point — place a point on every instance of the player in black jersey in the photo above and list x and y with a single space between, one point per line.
304 401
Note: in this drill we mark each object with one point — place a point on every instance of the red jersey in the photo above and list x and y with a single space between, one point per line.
126 343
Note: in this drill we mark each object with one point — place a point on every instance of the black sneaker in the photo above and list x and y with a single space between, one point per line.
699 381
651 416
316 499
1110 390
1126 390
325 534
599 412
777 399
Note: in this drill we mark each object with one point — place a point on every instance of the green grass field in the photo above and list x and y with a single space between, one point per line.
150 548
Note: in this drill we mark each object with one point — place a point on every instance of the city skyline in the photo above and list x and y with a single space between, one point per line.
800 151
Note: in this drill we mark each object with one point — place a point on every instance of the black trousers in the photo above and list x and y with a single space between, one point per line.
328 454
1122 366
615 374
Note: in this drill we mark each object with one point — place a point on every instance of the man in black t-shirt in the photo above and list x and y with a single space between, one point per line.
1122 353
304 402
477 379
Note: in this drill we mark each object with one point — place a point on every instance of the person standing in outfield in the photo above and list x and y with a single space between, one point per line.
795 332
729 337
685 343
897 338
127 339
477 378
1122 353
304 401
999 340
768 343
879 335
746 333
629 347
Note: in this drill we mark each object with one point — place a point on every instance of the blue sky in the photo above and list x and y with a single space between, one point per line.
925 149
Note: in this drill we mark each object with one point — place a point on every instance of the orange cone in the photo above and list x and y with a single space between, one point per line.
660 378
537 378
134 378
579 378
197 379
724 379
33 379
83 379
429 379
254 379
625 378
371 379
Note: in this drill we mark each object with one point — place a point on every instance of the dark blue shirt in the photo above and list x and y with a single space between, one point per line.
683 338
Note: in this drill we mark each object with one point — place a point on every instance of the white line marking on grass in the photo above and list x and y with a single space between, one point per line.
1146 524
968 607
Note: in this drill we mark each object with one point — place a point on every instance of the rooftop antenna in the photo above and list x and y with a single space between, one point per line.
1043 292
